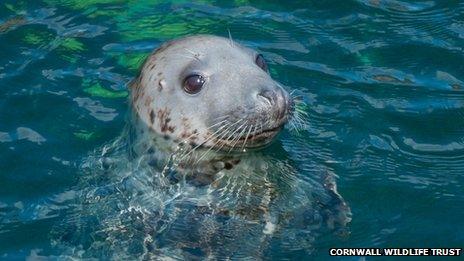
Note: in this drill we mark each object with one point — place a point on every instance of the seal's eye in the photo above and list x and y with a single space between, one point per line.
261 62
193 83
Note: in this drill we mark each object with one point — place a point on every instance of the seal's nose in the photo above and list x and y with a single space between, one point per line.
268 96
274 98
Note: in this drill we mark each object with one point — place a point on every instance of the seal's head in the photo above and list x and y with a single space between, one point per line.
210 91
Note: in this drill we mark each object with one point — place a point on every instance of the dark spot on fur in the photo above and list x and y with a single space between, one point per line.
160 86
152 116
170 128
235 161
159 74
186 133
228 165
163 116
166 137
148 101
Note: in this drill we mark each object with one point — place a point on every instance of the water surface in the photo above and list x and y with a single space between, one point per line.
383 82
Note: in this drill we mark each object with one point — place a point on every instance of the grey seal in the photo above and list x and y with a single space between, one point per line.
212 94
177 184
210 91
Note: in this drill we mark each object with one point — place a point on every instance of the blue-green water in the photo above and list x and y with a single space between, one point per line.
383 82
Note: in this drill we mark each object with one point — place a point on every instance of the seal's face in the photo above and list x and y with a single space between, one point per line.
210 91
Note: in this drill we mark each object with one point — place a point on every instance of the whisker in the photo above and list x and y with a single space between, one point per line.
184 141
235 141
221 117
294 127
299 120
231 41
194 54
204 142
301 112
246 138
185 56
222 131
230 136
218 140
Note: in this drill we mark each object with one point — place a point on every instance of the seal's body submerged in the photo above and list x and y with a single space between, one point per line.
180 173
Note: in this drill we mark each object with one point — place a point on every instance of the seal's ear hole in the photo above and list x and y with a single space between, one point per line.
193 83
261 62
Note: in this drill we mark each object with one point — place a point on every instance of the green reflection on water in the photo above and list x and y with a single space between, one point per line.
72 44
97 90
70 48
82 4
131 61
35 37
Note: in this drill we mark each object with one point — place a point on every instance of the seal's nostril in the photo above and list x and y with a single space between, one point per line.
268 96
